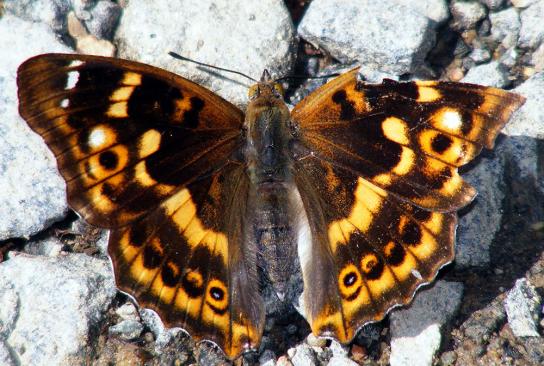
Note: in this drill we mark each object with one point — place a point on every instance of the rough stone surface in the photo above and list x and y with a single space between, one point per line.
146 34
532 31
383 36
493 4
104 16
523 3
415 331
5 357
341 361
32 192
303 355
528 120
127 329
478 227
59 300
523 305
436 10
490 74
50 12
466 14
505 26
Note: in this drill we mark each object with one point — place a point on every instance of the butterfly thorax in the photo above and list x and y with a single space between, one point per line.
270 170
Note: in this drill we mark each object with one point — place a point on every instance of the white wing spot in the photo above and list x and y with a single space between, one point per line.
64 103
452 120
416 274
97 138
73 77
75 63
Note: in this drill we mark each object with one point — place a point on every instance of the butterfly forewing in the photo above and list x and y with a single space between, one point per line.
377 173
152 156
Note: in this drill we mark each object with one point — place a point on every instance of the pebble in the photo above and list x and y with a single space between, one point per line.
466 14
531 33
522 306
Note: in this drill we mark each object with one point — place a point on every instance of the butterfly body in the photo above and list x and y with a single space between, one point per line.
357 187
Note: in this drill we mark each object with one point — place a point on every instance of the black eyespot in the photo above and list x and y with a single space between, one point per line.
109 160
217 293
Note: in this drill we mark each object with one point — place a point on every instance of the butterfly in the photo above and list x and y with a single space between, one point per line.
358 185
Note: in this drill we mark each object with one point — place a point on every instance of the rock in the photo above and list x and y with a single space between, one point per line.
50 247
480 55
522 308
436 10
478 227
505 27
128 311
523 3
5 356
267 358
303 355
537 59
61 303
415 331
163 335
104 17
527 121
383 36
283 361
314 341
493 4
532 32
146 34
85 42
490 74
49 12
341 361
33 193
338 349
126 329
466 14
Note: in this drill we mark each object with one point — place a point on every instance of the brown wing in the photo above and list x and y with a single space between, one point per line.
377 172
131 140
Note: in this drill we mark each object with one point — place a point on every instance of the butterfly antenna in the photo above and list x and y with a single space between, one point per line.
306 77
183 58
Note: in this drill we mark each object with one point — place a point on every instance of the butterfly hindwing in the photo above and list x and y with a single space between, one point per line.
153 157
377 173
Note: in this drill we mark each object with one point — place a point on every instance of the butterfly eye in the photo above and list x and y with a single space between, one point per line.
279 89
253 92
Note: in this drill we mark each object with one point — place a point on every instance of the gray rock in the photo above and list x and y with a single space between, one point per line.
480 55
466 14
505 27
32 192
532 31
5 356
126 329
303 355
522 308
478 227
436 10
104 17
338 349
528 120
163 336
128 311
50 12
493 4
490 74
383 36
523 3
9 301
61 302
260 36
415 331
537 59
341 361
314 341
50 247
267 358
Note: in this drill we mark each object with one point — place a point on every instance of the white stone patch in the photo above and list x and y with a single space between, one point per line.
97 138
452 120
73 77
64 103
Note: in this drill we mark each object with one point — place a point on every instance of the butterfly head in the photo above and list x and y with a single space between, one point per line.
266 87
